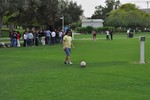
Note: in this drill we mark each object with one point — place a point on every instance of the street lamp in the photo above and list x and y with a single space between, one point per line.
62 18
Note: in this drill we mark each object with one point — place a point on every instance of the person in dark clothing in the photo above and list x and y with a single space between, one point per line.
111 34
36 37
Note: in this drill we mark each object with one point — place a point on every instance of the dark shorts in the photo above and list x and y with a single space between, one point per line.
67 51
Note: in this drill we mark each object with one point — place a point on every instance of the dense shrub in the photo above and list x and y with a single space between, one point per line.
89 29
81 30
75 25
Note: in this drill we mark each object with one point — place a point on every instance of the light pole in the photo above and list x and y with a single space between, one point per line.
62 18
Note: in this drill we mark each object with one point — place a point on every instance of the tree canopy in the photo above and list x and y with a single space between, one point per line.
129 16
29 13
101 12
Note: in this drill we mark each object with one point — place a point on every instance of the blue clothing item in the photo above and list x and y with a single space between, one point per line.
67 51
14 42
48 40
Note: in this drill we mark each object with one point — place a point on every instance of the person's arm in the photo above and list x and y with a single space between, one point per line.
63 43
72 45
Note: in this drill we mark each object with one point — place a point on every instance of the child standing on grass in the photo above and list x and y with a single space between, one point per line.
67 44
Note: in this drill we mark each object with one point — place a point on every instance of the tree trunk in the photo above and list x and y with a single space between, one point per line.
1 24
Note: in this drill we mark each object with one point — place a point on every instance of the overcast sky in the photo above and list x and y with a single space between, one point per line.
89 5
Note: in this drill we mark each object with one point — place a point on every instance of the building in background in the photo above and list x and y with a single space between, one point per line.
92 22
147 10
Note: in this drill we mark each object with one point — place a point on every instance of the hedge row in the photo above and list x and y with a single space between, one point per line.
89 29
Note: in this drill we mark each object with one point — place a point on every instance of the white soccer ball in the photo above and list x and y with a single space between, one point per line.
82 64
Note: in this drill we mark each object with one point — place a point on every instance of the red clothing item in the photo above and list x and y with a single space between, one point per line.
18 36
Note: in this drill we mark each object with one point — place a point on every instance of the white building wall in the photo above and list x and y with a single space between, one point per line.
92 22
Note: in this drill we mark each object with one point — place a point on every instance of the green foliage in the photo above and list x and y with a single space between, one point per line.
81 29
89 29
105 28
128 16
85 30
101 12
75 25
29 13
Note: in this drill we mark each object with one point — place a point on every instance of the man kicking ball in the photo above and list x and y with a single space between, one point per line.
67 44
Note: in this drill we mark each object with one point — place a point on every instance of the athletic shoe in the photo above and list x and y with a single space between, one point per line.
65 62
70 63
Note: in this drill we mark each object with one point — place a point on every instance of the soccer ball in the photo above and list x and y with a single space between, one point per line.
82 64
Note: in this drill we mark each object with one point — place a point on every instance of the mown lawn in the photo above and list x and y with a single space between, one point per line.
113 71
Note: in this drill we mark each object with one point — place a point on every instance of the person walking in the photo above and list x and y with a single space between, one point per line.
94 35
67 44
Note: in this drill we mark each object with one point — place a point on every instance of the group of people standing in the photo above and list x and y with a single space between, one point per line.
36 37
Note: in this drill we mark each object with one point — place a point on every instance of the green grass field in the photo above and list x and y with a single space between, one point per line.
113 71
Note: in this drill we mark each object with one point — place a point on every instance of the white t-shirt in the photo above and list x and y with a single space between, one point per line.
25 36
53 34
107 32
128 31
60 34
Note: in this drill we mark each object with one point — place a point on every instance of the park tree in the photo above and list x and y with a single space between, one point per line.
101 12
3 6
27 15
8 8
129 16
48 13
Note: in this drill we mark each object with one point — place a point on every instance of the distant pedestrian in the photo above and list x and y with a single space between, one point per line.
53 34
60 36
94 35
30 38
36 38
18 38
107 35
25 37
128 32
47 36
42 37
111 34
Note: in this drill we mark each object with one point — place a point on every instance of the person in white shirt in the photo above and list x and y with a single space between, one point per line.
53 34
60 36
107 35
25 39
128 32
